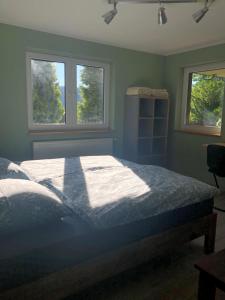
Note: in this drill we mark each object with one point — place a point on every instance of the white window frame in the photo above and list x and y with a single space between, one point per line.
211 130
70 92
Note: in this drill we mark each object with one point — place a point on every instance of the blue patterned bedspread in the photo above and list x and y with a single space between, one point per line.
108 192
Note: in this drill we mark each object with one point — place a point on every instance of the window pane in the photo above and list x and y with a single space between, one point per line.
205 98
48 92
90 95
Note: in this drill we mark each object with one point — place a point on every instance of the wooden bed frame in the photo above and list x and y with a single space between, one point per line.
74 279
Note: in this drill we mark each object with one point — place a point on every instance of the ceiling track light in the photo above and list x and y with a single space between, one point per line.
157 1
198 15
162 17
109 16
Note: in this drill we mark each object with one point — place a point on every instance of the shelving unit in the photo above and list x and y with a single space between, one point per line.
146 129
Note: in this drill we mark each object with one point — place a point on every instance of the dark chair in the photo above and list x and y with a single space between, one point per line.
216 161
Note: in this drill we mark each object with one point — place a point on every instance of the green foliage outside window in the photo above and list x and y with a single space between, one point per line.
206 102
46 94
48 107
90 107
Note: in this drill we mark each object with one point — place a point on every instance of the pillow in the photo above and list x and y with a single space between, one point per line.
25 204
8 169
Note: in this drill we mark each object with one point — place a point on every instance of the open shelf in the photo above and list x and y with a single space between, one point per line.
160 127
145 118
144 137
146 108
145 127
144 147
161 108
159 146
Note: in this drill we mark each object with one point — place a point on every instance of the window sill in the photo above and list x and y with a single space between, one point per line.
196 132
71 132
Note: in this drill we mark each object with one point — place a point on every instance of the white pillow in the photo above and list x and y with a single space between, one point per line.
25 204
8 169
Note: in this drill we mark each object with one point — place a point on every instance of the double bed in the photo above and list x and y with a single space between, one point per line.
114 215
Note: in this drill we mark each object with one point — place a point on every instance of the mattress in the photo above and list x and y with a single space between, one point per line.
23 257
116 203
108 192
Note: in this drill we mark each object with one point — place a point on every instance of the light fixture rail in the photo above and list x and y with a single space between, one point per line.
162 17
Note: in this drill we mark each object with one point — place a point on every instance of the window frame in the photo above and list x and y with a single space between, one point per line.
70 92
210 130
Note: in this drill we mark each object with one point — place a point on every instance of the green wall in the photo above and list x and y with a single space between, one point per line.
186 153
127 68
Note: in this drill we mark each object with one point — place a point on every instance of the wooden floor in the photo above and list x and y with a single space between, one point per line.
171 277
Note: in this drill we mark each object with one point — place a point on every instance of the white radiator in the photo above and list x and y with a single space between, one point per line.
68 148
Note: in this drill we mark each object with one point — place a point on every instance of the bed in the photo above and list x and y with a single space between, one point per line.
111 215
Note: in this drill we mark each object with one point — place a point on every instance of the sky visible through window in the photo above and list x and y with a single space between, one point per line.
61 76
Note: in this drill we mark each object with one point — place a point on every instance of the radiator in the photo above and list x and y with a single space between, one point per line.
68 148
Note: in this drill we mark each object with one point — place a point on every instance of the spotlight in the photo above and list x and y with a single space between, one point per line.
198 15
109 16
162 18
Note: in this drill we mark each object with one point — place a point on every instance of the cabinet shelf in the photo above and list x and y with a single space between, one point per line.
152 118
161 108
145 147
146 118
159 146
146 108
160 127
145 137
145 129
160 137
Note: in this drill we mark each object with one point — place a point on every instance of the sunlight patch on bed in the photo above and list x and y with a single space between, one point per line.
111 184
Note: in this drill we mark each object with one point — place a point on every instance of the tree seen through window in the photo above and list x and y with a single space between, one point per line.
206 97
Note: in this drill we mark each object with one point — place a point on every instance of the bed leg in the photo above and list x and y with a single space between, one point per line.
210 236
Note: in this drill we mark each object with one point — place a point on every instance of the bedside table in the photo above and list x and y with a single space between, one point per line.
212 275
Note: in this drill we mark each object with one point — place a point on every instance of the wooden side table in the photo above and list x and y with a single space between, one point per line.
212 275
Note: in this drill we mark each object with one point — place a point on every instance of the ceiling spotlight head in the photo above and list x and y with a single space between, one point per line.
162 18
109 16
198 15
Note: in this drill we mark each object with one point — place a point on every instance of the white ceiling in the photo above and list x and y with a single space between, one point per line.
135 26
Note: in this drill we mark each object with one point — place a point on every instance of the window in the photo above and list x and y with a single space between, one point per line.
203 98
66 93
90 94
